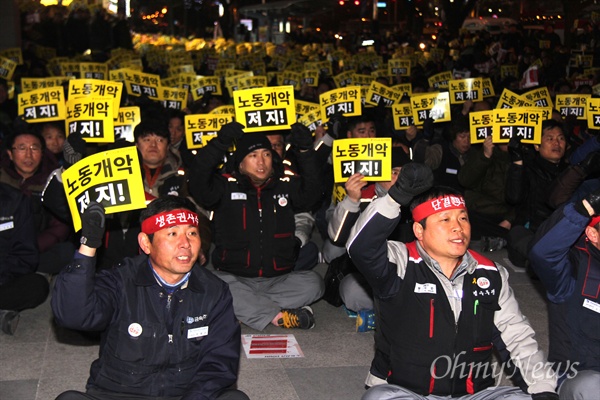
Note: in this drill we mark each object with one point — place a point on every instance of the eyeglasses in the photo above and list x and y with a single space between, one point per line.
23 148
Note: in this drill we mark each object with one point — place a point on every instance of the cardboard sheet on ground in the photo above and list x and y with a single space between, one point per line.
271 346
111 178
368 156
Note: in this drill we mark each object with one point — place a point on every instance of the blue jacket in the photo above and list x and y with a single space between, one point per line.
153 344
569 267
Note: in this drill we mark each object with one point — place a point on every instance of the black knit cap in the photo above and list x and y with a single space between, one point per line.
248 143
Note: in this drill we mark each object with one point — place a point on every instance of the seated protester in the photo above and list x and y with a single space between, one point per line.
529 181
426 291
20 287
178 144
254 211
565 255
483 176
168 326
54 137
26 165
308 255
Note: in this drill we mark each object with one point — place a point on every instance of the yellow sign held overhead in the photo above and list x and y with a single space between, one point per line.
380 93
201 128
43 105
265 109
92 117
481 125
7 68
539 97
97 88
111 178
441 80
522 122
371 157
593 113
431 105
88 70
572 104
403 116
463 90
346 101
509 99
125 123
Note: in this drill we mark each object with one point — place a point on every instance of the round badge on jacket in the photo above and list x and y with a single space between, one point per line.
134 329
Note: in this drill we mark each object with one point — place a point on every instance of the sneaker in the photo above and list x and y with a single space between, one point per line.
300 318
365 321
9 321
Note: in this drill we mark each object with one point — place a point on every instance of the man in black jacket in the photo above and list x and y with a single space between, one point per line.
169 330
256 246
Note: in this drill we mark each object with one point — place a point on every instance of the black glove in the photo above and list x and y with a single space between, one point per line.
337 126
74 148
544 396
92 225
515 149
594 199
414 179
591 163
301 137
228 133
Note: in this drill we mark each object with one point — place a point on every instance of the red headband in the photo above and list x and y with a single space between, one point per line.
168 219
434 206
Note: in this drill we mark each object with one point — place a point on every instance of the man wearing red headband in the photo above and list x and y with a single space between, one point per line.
442 307
168 326
565 254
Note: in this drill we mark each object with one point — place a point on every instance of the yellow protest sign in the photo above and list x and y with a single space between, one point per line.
431 105
111 178
441 80
11 90
43 105
539 97
310 77
128 119
380 93
92 117
172 98
509 70
346 101
140 83
404 88
398 66
371 157
181 69
361 80
201 128
69 68
204 85
97 88
523 122
223 110
7 68
292 78
14 53
402 115
265 109
343 79
89 70
481 125
487 88
311 119
304 107
572 104
593 113
462 90
509 99
250 82
29 84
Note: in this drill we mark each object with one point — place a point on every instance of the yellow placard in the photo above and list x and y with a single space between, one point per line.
404 88
572 104
7 68
201 128
92 117
380 93
481 125
344 79
29 84
311 119
11 90
292 78
509 99
509 70
88 70
250 82
463 90
487 88
346 100
431 105
69 68
310 78
14 53
140 83
371 157
265 109
172 98
593 113
43 105
97 88
181 69
398 67
223 110
125 123
304 107
361 80
441 80
403 116
539 97
111 178
522 122
204 85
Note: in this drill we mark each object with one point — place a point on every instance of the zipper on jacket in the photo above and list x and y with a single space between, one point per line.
431 317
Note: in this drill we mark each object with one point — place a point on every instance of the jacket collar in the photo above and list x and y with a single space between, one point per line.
145 277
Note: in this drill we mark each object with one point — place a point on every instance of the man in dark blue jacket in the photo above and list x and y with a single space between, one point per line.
566 256
169 330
